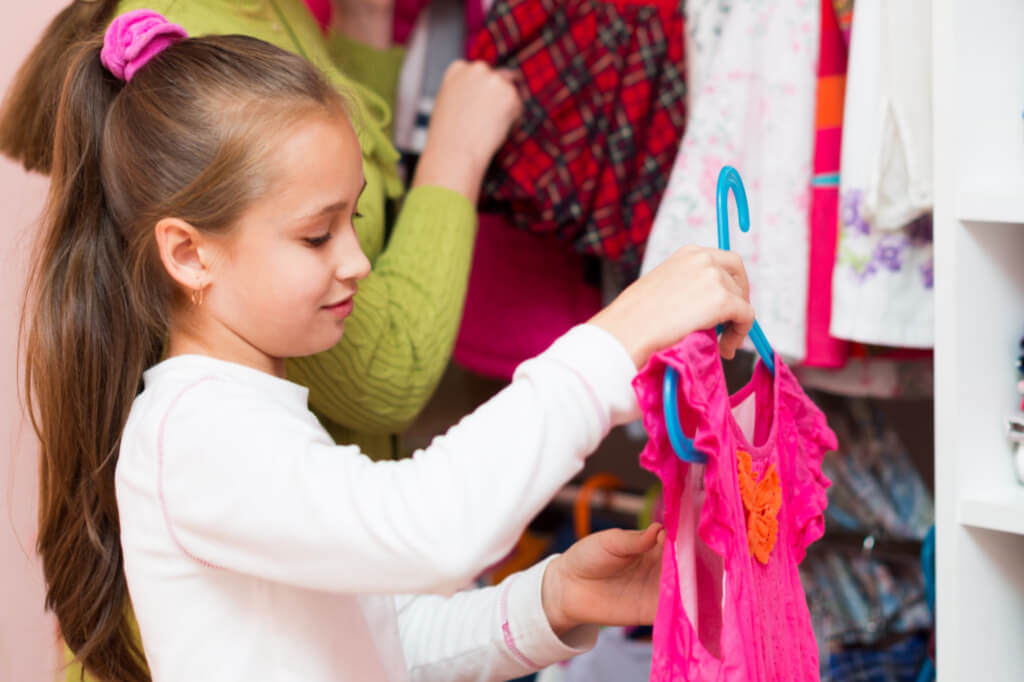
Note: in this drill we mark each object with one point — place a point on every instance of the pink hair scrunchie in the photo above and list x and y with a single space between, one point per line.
134 38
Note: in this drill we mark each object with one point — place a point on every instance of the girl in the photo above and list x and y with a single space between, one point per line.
201 211
380 375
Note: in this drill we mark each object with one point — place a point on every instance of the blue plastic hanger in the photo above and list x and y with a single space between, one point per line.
728 178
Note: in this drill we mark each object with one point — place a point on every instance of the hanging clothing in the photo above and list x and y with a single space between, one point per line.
860 596
824 350
900 662
765 503
863 601
476 15
322 11
873 377
843 10
525 291
434 36
409 133
877 487
754 110
705 24
436 40
602 82
882 289
407 14
446 39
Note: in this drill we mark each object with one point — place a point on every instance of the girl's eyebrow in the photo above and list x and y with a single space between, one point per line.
333 208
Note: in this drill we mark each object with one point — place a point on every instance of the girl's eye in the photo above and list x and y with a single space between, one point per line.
357 214
318 241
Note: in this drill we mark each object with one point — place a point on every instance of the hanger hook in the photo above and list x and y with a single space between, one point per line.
729 179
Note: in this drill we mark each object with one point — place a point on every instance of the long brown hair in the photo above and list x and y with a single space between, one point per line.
188 137
29 111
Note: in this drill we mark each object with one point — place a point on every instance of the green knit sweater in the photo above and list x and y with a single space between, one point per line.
399 338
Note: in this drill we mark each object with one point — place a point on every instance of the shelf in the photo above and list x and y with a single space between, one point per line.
1001 508
1003 203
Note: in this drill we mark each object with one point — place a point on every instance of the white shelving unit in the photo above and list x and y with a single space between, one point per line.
979 310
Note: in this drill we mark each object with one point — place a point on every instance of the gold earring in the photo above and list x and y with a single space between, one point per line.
197 296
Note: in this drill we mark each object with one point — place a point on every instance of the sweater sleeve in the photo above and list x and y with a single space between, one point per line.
495 633
250 487
399 338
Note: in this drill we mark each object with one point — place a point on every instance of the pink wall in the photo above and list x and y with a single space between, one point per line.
27 641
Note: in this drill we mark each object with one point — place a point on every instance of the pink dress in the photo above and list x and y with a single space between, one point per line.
764 503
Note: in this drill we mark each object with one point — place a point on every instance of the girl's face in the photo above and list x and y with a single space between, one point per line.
282 281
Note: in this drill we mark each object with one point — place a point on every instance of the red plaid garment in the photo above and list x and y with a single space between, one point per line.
605 107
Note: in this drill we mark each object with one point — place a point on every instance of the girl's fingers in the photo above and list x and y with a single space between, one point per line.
733 265
741 320
626 543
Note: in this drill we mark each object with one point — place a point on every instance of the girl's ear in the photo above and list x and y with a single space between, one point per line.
184 252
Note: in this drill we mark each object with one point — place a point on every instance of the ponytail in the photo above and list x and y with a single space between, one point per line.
86 350
29 111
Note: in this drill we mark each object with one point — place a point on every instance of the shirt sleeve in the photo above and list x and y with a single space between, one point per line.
495 633
250 486
399 338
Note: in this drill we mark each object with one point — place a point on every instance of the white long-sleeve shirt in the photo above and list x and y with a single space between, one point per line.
257 549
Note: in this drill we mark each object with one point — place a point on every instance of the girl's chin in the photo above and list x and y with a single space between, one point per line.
329 342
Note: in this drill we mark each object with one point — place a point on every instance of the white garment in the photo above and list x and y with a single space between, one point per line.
888 112
705 21
753 109
437 40
882 282
257 549
410 86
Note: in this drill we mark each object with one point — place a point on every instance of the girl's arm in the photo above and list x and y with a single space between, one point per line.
254 488
254 484
495 633
535 618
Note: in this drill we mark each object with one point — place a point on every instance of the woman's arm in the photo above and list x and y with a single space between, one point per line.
399 339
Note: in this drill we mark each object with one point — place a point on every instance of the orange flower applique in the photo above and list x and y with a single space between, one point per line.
762 500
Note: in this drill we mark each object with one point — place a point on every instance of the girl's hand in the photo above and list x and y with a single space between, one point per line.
608 578
695 288
474 110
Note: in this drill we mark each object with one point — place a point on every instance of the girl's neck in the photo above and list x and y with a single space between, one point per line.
192 336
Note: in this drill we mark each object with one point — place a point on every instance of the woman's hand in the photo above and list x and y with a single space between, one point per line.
695 288
608 578
474 110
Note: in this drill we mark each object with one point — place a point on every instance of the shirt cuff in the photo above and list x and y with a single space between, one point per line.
605 366
525 628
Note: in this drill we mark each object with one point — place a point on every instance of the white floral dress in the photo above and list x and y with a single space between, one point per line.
753 87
